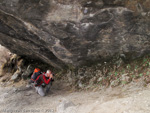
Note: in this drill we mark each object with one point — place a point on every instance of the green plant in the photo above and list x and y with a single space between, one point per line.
146 64
147 73
128 66
118 79
145 60
136 67
105 78
133 76
141 74
116 73
109 73
123 70
124 82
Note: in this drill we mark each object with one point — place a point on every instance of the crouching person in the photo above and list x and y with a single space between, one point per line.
42 82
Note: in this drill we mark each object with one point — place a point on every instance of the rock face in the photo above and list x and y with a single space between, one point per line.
75 32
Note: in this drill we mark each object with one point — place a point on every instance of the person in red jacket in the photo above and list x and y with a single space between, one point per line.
44 78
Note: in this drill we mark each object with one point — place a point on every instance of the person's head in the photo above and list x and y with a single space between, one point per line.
48 73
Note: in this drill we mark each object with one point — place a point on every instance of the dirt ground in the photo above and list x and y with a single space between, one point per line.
132 98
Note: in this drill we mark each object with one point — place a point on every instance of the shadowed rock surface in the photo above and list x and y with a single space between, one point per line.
75 32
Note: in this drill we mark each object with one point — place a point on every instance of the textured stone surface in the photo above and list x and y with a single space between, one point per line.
16 75
66 106
28 72
75 32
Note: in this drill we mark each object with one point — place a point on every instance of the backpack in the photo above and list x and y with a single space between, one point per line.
37 72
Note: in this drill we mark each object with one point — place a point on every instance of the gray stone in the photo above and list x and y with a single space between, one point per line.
74 33
80 85
115 83
66 106
99 79
71 77
126 78
27 72
15 77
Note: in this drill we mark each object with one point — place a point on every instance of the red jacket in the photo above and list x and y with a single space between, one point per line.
42 79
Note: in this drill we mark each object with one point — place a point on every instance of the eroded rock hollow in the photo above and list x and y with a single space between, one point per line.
75 32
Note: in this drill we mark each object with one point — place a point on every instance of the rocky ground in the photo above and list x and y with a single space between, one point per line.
132 98
122 88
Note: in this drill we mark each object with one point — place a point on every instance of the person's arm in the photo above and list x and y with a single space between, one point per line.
45 80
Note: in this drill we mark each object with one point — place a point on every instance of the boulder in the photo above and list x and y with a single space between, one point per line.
75 33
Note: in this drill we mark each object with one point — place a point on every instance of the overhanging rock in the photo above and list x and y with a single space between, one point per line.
64 32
